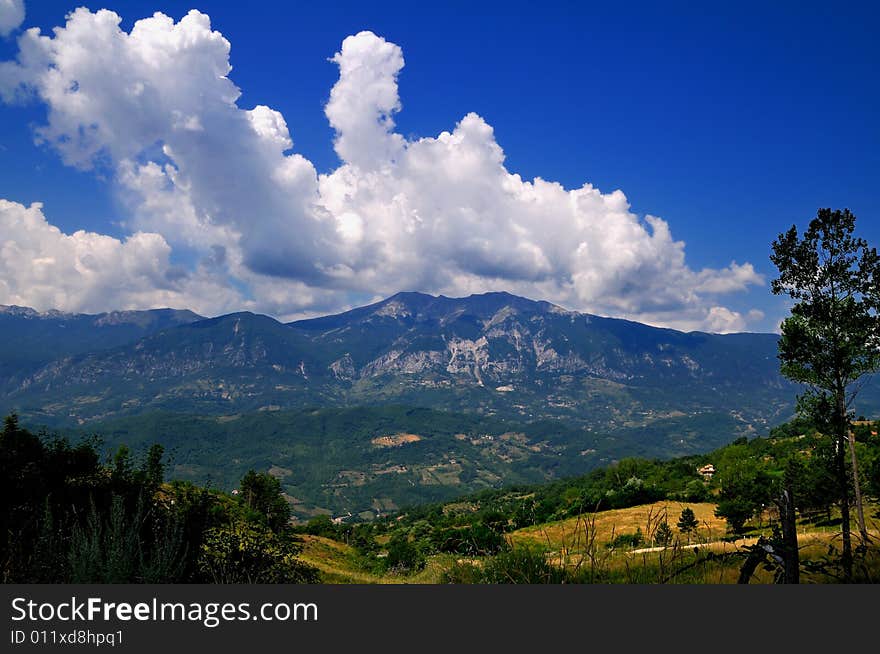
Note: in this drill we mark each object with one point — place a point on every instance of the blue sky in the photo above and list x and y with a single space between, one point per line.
729 123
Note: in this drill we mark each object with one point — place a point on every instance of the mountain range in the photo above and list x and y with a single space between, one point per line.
492 354
412 398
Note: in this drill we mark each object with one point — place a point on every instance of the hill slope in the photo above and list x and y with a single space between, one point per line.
368 461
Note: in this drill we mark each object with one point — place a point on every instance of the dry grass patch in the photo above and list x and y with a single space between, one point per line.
279 472
609 524
395 440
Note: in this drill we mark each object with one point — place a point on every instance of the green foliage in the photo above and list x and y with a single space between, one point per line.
663 536
38 482
634 491
314 445
737 511
831 338
458 527
154 466
520 565
110 549
751 473
872 472
65 517
246 553
321 525
403 555
70 517
261 493
696 491
687 521
472 540
627 540
49 551
814 482
123 468
746 486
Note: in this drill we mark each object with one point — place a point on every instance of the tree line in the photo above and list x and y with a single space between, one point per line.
67 516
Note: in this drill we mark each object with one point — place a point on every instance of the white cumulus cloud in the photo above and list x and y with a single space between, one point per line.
364 99
11 16
156 108
44 268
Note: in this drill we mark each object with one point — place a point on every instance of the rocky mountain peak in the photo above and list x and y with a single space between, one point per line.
27 312
412 307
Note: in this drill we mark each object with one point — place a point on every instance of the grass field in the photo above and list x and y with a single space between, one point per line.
582 546
709 555
339 563
608 524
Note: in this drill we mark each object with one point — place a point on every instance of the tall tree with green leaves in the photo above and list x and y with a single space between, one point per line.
262 493
831 340
746 487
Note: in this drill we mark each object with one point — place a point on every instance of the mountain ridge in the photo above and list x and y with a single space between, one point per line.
31 339
491 353
119 316
428 300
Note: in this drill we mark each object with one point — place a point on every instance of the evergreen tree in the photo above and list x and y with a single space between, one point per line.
663 536
687 522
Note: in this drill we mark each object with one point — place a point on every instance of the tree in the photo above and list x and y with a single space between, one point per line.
153 469
122 465
746 486
663 536
687 522
830 340
261 493
736 511
696 491
403 555
814 479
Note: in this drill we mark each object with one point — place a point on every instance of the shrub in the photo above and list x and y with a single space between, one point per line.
403 555
248 553
519 565
627 540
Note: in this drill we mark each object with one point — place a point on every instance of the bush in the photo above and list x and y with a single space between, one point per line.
110 550
248 553
403 555
519 565
627 540
475 540
320 525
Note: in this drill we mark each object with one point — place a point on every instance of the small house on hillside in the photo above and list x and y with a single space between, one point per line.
707 471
